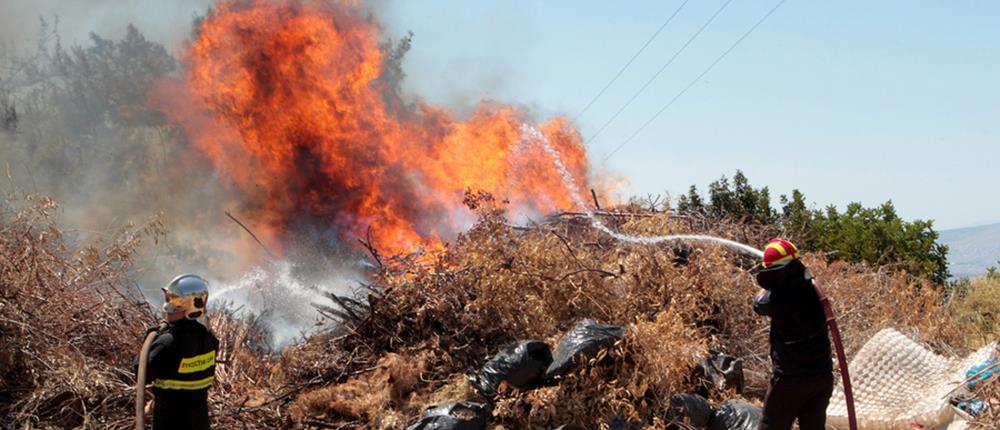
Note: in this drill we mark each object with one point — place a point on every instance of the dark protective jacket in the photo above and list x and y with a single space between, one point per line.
181 367
800 342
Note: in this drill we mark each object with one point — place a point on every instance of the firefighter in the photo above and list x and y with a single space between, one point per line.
802 368
181 360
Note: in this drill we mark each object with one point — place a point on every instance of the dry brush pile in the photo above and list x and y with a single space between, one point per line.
71 323
408 340
65 351
498 284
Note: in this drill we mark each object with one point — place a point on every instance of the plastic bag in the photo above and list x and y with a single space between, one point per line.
618 424
973 407
520 364
581 343
736 415
453 416
690 409
719 372
980 368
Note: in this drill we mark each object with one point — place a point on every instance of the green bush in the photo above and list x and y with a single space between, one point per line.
876 236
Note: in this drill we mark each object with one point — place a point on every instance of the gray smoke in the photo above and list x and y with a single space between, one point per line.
165 22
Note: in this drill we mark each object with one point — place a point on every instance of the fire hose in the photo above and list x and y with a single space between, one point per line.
831 322
535 135
140 380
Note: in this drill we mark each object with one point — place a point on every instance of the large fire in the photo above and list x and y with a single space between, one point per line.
286 100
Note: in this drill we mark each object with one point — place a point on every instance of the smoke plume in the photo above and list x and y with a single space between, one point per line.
288 116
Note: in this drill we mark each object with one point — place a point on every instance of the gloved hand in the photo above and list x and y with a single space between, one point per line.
762 303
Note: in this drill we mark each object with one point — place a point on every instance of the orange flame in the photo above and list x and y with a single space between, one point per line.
285 99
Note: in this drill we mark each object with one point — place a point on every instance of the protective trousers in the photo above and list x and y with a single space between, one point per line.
803 397
179 413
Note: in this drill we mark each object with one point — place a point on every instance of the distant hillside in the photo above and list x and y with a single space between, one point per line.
972 249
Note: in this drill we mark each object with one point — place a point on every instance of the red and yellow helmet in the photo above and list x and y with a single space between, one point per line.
779 251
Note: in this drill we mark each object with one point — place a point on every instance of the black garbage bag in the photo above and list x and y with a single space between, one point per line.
736 415
581 343
520 364
453 416
719 372
690 409
618 424
682 254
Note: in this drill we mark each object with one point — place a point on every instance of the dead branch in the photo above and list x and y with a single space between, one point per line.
604 213
254 236
367 243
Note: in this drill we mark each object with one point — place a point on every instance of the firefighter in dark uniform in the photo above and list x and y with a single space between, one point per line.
802 380
182 358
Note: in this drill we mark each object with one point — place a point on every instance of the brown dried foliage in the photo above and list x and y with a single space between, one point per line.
70 328
498 284
66 325
433 320
376 397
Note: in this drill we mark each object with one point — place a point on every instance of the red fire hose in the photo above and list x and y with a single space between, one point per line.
831 321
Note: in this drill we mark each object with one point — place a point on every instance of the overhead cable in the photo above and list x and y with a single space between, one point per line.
629 63
695 80
658 72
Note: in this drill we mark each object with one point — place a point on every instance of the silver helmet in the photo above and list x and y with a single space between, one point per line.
186 293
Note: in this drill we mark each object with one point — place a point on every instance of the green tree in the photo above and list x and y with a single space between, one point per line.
752 204
721 203
880 237
797 221
82 113
737 200
691 202
876 236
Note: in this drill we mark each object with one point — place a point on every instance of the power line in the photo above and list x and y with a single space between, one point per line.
695 80
629 63
658 72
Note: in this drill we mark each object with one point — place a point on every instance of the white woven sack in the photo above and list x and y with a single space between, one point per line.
898 383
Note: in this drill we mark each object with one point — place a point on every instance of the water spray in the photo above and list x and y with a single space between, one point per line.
532 134
284 297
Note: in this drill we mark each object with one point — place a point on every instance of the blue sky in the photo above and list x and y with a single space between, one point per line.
847 101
